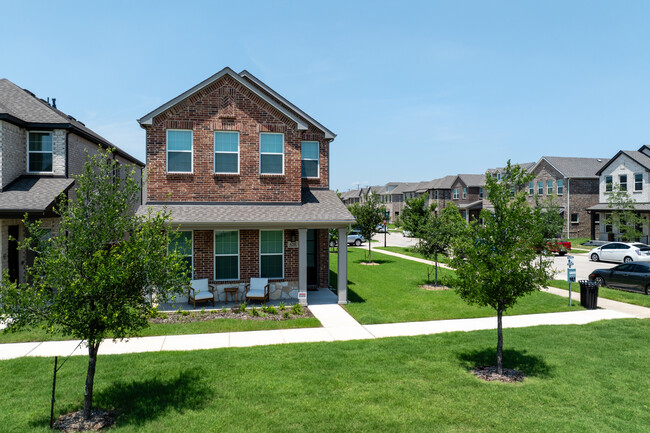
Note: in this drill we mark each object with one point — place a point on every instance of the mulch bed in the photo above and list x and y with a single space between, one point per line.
231 313
369 263
74 421
432 287
489 374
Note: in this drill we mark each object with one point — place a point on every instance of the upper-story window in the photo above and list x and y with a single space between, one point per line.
226 152
271 153
179 151
456 194
309 158
638 181
531 188
480 192
498 175
549 187
39 152
464 193
622 181
540 187
608 183
560 186
435 194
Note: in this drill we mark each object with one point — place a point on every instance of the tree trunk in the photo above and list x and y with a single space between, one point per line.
499 342
90 379
436 272
369 252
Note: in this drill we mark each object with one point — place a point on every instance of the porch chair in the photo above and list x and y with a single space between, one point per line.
258 289
200 291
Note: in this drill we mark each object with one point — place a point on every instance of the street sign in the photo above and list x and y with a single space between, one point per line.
569 261
571 275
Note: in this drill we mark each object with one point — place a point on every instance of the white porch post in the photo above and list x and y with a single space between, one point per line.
342 273
302 263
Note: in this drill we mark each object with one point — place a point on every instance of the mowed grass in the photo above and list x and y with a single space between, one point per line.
635 298
206 327
407 251
587 378
390 293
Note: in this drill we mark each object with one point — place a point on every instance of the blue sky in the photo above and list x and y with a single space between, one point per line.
414 90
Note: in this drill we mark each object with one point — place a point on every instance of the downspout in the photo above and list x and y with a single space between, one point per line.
568 208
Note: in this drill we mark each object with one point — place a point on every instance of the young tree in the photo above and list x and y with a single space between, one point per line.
104 270
435 232
498 264
624 217
368 215
549 222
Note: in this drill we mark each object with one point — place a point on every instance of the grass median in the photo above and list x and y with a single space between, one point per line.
390 293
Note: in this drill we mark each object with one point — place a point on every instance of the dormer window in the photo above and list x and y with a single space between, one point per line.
39 152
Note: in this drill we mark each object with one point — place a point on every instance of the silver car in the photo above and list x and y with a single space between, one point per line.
355 238
621 252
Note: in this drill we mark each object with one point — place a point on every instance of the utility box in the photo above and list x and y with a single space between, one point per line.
571 275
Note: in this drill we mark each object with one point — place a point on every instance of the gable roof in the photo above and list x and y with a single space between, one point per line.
636 155
472 179
443 182
257 87
571 167
24 109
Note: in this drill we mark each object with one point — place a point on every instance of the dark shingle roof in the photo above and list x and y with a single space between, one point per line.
443 182
32 194
319 207
473 179
577 167
21 105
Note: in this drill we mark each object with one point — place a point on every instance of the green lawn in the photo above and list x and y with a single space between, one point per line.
605 292
409 252
210 326
390 293
587 378
576 245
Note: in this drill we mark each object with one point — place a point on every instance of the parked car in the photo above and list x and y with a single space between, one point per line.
628 276
355 238
407 234
381 228
558 246
621 252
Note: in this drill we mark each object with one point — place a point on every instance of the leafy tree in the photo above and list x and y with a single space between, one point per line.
369 215
103 271
435 232
624 217
549 222
498 264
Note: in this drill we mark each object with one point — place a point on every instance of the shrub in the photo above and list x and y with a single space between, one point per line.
286 315
254 312
296 309
271 310
282 306
242 307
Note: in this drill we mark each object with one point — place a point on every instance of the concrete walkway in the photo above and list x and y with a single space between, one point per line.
404 256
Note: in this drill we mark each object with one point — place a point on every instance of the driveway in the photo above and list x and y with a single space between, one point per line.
393 239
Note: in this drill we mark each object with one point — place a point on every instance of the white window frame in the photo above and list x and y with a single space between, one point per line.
191 249
549 187
609 186
531 188
635 182
540 187
214 235
214 146
480 192
271 153
620 183
180 151
577 220
456 194
464 193
270 254
51 133
310 159
560 186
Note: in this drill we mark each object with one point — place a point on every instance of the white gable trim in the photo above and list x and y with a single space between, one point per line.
148 118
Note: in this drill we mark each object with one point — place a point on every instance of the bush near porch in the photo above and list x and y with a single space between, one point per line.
390 293
583 378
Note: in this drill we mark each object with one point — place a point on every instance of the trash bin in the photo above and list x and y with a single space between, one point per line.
588 294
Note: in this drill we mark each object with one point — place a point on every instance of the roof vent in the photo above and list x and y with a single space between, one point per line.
54 102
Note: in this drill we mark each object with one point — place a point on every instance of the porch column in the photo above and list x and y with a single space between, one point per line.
302 263
592 214
342 272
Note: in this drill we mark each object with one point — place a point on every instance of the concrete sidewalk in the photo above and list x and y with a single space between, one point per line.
404 256
622 307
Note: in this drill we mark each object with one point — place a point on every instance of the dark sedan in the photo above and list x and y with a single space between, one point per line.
628 276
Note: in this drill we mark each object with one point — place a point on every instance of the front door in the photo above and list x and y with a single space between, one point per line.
312 257
12 253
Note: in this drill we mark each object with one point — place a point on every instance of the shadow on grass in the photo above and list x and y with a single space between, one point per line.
374 260
139 402
530 365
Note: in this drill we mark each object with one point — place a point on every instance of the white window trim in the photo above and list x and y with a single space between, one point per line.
609 183
310 159
464 193
179 151
549 189
540 187
191 249
214 139
40 151
271 254
455 194
620 184
214 235
531 188
560 186
638 190
576 221
271 153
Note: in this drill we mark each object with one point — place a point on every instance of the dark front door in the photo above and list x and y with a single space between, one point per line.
12 253
312 257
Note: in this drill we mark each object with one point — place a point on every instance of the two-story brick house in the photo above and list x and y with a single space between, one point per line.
467 193
245 176
41 148
629 171
574 181
440 191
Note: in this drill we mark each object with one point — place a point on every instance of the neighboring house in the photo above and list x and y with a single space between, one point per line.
468 193
41 148
397 200
440 191
575 183
245 176
630 171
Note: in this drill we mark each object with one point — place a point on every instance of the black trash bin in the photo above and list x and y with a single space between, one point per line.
588 294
